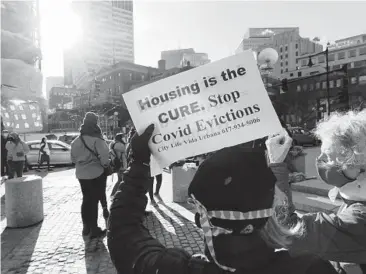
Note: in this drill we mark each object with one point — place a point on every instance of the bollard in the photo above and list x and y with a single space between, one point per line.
24 201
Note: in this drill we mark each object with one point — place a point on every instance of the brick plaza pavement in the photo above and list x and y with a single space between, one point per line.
56 244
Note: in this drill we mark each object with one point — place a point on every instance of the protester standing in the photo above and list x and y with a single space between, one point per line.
17 150
118 152
159 179
44 154
4 154
90 154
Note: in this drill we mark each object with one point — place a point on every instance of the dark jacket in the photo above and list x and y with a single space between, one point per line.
337 237
133 250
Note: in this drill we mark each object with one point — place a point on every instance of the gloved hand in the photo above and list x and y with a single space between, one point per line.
140 151
278 147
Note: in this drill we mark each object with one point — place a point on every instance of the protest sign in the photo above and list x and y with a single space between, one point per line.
217 105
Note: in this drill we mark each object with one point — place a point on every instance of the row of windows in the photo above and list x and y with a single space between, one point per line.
286 47
332 84
332 57
126 5
131 76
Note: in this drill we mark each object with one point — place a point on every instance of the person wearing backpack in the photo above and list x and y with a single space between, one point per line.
17 150
119 159
90 154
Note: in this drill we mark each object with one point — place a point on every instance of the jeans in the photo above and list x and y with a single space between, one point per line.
15 167
92 190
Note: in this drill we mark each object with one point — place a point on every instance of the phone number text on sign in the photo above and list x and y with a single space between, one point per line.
227 129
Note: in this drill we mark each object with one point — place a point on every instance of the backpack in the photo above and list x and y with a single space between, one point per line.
116 162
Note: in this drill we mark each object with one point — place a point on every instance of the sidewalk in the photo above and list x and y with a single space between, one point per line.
56 244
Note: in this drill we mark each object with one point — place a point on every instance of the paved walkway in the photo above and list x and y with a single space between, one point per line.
56 244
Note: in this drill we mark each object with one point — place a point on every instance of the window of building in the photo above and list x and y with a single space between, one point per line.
321 59
286 70
331 57
324 85
304 87
352 53
281 57
291 74
296 46
360 63
304 62
341 55
281 71
353 80
130 76
317 85
297 53
143 77
281 50
338 83
298 88
286 56
110 77
281 64
362 51
331 84
311 87
299 74
336 67
286 48
286 63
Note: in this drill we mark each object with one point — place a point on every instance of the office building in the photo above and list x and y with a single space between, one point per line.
350 51
53 81
180 57
287 41
107 38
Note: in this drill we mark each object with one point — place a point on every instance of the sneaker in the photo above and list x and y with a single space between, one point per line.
97 232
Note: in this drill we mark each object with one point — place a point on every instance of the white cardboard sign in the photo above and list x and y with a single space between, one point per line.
201 110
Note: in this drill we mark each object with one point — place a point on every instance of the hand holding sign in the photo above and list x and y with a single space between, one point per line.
214 106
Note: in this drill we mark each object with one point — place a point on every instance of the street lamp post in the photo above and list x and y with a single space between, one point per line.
310 64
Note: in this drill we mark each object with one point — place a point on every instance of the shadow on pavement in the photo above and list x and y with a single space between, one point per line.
97 259
14 257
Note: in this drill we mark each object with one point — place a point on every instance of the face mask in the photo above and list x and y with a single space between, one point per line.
349 188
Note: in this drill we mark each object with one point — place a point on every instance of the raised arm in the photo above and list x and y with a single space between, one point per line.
132 248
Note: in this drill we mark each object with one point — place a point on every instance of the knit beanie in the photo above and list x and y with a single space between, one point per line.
90 118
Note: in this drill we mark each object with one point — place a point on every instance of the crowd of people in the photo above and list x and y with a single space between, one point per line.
242 199
248 223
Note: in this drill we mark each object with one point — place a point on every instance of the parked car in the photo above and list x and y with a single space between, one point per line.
60 153
68 138
302 137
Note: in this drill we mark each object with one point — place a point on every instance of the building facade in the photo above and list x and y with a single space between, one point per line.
350 51
53 81
286 41
107 38
179 58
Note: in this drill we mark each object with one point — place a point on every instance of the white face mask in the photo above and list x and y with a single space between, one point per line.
354 191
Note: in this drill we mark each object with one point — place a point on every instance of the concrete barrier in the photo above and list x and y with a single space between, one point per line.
24 201
180 182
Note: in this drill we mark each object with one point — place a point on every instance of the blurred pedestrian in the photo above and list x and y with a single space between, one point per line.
44 154
90 154
4 152
118 152
159 179
17 151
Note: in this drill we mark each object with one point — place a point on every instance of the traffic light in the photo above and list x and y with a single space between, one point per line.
284 84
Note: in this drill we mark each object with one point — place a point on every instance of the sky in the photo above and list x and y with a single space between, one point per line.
214 27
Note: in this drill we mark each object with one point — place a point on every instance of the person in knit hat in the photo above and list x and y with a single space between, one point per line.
241 212
90 154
